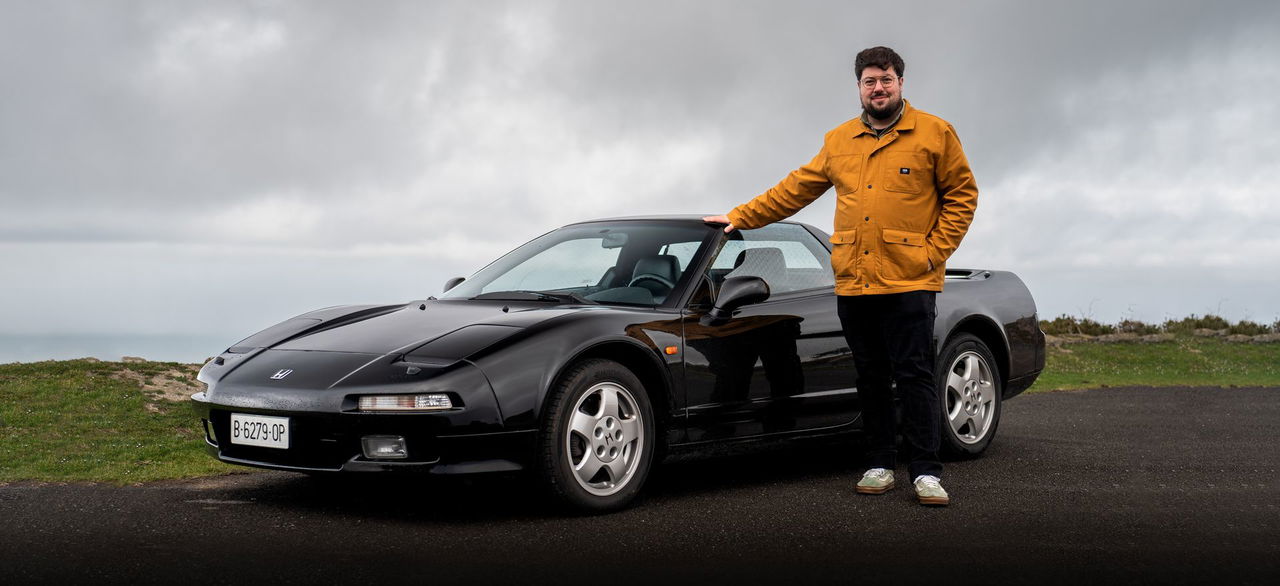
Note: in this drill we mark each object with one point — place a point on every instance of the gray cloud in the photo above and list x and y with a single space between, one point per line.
1109 139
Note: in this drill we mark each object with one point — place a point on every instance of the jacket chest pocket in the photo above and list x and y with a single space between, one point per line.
907 172
845 172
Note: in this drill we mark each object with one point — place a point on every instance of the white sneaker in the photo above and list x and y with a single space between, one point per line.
930 492
876 481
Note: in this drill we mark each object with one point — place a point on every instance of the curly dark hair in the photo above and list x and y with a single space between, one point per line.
882 57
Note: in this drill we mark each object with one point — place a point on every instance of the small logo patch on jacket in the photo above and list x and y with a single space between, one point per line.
904 171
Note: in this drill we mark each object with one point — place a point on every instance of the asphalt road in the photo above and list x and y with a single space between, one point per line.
1132 485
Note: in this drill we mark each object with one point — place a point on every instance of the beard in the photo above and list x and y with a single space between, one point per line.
890 107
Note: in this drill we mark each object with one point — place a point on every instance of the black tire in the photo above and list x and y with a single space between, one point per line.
970 412
619 441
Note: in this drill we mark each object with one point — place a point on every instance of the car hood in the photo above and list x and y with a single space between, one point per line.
418 323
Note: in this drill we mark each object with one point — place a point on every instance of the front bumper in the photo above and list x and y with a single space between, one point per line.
330 442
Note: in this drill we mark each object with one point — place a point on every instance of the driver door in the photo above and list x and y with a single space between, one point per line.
776 367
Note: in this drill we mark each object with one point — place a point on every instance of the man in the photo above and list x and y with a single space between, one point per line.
905 198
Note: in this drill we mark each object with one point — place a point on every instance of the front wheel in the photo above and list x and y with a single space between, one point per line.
596 445
969 383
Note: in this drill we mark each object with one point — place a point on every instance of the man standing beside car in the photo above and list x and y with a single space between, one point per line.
905 198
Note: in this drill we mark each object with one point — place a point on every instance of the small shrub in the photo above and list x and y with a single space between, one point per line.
1248 328
1133 326
1187 325
1065 324
1093 328
1057 326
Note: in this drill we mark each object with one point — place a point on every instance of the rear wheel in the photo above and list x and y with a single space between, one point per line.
969 383
597 442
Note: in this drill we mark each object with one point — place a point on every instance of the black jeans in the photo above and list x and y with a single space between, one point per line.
891 337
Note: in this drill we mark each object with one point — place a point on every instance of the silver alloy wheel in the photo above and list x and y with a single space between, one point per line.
604 439
970 397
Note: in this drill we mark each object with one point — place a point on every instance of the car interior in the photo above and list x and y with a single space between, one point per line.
646 265
770 263
650 280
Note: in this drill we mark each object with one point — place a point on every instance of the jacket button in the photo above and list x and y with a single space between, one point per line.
866 252
904 239
866 286
868 186
868 218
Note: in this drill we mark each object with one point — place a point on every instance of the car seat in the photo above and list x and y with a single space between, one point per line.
766 262
657 273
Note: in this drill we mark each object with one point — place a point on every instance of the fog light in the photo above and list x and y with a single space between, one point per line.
432 402
384 447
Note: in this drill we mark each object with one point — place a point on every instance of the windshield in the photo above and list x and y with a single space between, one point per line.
613 263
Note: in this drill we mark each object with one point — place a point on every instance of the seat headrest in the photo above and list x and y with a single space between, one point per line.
662 265
768 263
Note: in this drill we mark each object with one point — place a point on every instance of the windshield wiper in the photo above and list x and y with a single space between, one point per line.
525 295
575 298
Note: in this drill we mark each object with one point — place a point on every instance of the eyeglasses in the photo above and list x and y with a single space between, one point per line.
887 81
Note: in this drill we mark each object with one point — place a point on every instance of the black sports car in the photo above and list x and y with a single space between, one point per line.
589 352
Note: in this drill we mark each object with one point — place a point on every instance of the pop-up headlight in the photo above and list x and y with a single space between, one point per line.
431 402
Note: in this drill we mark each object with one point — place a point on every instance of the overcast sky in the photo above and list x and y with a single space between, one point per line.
179 167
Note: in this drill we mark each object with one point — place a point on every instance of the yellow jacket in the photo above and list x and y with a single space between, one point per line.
905 201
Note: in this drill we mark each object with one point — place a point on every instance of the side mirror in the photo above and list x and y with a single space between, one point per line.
736 292
451 283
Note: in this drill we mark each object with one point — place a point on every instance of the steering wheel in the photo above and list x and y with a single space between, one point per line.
652 277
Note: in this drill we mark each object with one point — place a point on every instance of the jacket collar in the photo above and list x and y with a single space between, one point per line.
906 122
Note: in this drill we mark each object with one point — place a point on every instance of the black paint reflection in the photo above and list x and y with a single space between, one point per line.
732 354
775 367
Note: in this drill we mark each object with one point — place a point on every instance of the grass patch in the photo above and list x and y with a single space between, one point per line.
1199 361
82 420
122 423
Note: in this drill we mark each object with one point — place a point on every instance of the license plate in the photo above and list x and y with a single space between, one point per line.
260 430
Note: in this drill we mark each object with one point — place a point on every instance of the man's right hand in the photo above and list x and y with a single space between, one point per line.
728 226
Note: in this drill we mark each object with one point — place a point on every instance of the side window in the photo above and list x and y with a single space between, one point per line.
683 251
786 256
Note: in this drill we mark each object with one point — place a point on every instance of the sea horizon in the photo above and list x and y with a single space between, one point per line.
183 348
